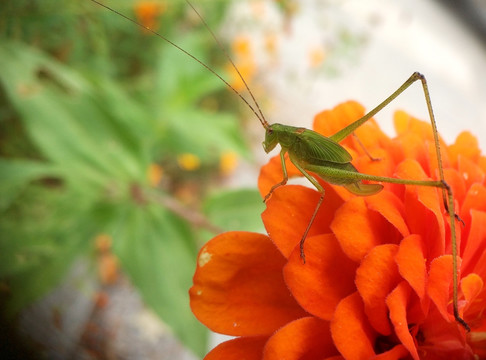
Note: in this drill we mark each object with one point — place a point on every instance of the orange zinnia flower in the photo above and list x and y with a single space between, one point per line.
378 278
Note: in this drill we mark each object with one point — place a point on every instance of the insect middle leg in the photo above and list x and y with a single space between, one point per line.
360 143
319 202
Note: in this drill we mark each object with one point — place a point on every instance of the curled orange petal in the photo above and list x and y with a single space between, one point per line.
359 229
306 338
350 330
471 286
289 211
238 288
325 278
411 263
423 206
397 303
391 208
376 277
438 287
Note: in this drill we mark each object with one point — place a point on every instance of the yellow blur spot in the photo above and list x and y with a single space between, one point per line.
189 162
316 57
241 46
154 174
244 61
228 163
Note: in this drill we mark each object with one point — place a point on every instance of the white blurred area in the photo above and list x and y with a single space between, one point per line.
370 48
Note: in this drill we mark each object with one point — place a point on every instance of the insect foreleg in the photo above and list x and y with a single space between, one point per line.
285 176
322 192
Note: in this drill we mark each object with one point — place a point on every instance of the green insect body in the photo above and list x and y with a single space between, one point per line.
314 152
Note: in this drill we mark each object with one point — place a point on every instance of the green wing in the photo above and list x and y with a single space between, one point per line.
314 148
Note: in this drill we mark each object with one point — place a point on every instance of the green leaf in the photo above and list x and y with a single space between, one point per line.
236 210
157 251
37 254
16 174
61 112
203 133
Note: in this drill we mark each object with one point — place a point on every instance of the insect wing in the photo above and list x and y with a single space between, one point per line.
317 148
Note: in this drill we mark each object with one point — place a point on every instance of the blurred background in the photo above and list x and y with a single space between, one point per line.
120 156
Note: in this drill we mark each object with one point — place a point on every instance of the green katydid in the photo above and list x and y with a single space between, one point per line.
312 152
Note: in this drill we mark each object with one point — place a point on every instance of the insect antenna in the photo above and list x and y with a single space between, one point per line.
216 39
258 114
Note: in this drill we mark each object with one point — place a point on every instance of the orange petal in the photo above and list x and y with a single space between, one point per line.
413 147
329 122
423 207
239 288
248 348
350 330
471 286
475 244
474 199
466 145
470 171
440 280
411 263
376 276
289 211
397 303
384 166
457 183
325 278
405 123
482 163
401 121
391 208
359 229
271 173
306 338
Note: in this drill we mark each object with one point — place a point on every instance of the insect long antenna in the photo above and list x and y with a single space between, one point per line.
258 114
261 117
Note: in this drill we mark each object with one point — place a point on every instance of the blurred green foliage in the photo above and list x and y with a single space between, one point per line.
88 103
